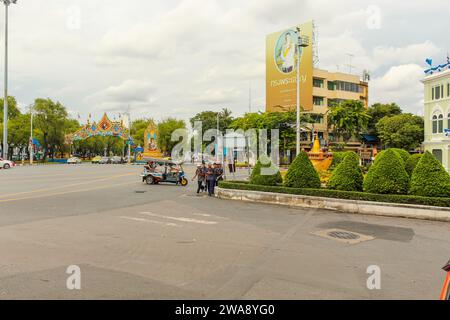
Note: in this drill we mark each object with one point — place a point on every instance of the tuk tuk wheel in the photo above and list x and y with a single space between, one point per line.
150 180
184 182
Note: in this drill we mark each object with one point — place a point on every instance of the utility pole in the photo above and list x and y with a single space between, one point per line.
31 137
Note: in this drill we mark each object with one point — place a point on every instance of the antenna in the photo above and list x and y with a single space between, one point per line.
349 65
250 97
315 40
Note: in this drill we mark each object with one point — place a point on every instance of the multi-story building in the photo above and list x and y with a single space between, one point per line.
437 112
330 88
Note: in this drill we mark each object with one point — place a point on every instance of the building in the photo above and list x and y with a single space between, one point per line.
437 112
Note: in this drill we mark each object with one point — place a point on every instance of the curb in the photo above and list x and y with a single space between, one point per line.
409 211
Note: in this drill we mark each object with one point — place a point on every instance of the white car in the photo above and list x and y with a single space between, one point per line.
74 160
6 164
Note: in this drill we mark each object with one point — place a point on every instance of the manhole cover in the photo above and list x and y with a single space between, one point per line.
140 191
343 235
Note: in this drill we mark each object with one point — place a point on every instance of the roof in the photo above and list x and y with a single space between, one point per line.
370 138
447 267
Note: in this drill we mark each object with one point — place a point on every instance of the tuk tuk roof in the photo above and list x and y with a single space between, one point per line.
161 162
447 267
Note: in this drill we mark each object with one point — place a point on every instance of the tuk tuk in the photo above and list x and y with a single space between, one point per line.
159 170
445 295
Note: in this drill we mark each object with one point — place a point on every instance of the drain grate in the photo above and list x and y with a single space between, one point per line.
344 235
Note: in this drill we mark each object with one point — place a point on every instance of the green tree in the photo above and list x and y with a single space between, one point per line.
13 110
165 129
137 131
348 175
265 180
302 174
387 175
429 178
405 131
209 120
348 119
380 110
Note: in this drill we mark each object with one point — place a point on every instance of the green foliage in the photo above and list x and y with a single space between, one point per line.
348 119
209 120
338 157
378 111
263 179
13 110
165 130
412 163
403 131
387 175
302 174
337 194
137 131
347 176
402 153
429 178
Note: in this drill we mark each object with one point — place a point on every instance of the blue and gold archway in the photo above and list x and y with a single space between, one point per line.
104 128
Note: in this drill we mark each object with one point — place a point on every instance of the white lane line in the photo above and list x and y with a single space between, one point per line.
168 224
182 219
205 215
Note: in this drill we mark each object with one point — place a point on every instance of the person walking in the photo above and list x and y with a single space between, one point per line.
200 175
218 171
210 179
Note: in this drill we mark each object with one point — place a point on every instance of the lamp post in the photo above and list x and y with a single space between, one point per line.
5 102
31 136
302 42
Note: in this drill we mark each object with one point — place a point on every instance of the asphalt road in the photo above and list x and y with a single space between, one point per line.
134 241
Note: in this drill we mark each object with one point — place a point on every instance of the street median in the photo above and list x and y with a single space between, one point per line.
436 209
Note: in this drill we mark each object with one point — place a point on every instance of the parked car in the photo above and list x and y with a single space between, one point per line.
117 160
105 160
74 160
96 159
6 164
445 295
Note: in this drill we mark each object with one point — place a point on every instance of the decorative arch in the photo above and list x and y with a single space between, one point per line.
104 128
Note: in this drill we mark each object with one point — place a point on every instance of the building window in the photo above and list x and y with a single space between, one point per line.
437 92
438 154
348 86
435 124
441 123
318 83
318 101
331 85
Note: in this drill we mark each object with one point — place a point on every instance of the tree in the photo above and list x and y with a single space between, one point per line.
209 120
378 111
348 119
405 131
429 178
302 174
165 129
13 110
348 175
387 175
50 119
137 130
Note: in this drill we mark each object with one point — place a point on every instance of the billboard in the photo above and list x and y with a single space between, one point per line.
281 69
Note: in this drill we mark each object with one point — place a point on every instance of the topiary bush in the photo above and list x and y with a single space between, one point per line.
387 175
348 175
429 178
412 163
302 174
338 157
262 179
405 155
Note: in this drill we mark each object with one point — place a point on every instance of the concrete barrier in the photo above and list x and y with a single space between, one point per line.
347 206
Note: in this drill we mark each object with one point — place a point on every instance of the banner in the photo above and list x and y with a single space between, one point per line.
281 69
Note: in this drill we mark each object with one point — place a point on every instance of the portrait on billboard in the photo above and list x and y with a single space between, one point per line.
286 52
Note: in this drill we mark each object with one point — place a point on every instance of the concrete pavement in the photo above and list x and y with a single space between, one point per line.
134 241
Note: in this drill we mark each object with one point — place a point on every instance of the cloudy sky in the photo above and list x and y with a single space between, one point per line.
177 57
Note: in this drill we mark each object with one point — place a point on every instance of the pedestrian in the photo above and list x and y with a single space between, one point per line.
200 175
210 179
218 171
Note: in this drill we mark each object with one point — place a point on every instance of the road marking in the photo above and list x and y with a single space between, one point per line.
66 192
107 178
168 224
182 219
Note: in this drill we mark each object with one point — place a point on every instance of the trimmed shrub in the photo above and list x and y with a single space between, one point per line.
264 180
405 155
429 178
412 163
302 174
338 157
347 176
337 194
387 175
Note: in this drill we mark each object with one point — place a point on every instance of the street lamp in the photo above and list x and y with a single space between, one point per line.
303 42
31 135
5 103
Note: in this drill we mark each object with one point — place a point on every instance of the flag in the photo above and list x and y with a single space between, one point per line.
429 61
448 58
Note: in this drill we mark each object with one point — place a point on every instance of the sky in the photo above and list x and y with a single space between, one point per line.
174 58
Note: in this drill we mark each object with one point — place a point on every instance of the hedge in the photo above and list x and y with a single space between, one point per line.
429 178
387 175
302 174
412 163
405 155
337 194
348 175
338 157
266 180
